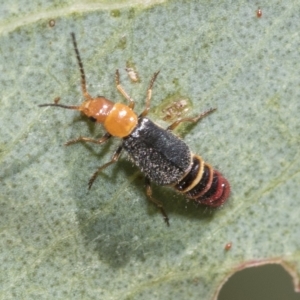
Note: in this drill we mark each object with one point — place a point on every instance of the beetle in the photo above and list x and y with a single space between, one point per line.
164 158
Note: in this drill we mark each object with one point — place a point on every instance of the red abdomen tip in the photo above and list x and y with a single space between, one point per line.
217 193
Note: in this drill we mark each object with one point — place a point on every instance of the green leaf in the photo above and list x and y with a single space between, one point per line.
61 241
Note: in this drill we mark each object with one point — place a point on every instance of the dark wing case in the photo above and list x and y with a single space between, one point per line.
160 155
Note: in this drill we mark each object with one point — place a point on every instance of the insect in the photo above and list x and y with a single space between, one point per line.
259 13
228 246
163 157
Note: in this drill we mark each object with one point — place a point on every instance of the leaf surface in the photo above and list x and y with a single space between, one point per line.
60 241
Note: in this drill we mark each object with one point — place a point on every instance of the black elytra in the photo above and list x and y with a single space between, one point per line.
158 153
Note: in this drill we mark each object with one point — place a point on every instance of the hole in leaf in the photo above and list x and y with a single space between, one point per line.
260 283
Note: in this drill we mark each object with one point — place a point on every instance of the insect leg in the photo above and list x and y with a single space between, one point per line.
122 91
114 158
194 119
156 202
102 140
149 95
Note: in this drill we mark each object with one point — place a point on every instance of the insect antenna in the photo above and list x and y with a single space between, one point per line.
81 69
61 105
83 81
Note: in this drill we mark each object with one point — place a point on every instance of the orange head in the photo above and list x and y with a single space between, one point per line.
118 119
